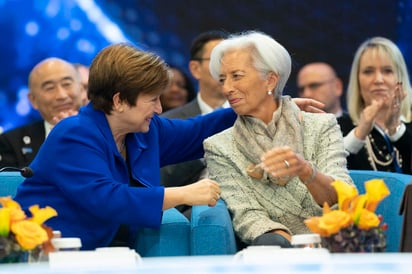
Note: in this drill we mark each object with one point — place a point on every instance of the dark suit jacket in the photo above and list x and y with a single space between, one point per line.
187 172
19 146
361 161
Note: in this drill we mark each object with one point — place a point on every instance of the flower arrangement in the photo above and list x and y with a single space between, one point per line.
354 226
20 234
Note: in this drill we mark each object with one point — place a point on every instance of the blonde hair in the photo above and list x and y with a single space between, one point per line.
355 102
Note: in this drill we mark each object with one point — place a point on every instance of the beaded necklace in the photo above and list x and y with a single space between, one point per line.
392 156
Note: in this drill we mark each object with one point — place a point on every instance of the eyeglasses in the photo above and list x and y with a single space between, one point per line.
314 86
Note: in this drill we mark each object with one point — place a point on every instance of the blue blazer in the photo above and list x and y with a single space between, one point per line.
80 173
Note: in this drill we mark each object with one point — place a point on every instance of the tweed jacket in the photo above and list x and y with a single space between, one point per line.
259 206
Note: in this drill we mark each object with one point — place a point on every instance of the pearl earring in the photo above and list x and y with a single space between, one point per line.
269 92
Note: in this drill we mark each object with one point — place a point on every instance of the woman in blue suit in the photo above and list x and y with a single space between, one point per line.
88 163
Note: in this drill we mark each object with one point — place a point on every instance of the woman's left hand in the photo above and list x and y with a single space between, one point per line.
394 109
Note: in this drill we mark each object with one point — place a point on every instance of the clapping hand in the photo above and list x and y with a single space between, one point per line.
62 115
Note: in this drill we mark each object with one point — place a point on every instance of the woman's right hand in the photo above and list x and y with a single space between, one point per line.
367 118
203 192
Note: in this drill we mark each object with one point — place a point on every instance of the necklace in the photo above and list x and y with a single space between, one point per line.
389 157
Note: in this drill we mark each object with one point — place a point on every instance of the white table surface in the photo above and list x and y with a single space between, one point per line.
335 263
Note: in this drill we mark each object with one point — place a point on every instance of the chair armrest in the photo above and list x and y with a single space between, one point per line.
171 239
389 207
9 182
212 231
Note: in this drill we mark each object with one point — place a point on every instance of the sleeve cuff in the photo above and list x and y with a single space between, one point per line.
398 134
352 143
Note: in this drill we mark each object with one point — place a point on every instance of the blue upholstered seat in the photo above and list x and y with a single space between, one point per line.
212 231
9 181
172 239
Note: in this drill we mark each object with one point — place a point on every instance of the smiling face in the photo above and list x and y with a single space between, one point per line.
137 118
377 75
244 86
54 87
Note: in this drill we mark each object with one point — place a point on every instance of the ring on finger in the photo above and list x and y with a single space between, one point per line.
286 163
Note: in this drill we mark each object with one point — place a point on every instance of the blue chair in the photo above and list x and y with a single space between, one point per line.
172 239
389 207
9 181
212 231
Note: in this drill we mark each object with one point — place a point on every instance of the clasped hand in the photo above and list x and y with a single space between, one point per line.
283 163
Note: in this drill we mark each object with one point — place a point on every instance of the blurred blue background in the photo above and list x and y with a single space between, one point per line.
76 30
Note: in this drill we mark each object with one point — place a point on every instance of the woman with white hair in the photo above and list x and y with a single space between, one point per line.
378 133
276 164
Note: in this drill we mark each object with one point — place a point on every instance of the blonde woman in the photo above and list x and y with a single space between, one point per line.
378 134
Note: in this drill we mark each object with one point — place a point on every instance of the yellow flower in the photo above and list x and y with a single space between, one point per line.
29 234
345 193
353 209
40 215
357 205
368 220
376 191
4 222
16 213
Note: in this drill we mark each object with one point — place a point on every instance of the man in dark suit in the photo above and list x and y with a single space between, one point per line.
55 91
209 98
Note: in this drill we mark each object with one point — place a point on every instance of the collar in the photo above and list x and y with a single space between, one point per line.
47 128
205 108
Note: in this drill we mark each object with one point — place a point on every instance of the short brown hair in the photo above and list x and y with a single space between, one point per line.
128 70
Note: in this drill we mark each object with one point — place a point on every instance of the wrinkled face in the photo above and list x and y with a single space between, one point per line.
55 87
317 82
244 86
177 94
377 76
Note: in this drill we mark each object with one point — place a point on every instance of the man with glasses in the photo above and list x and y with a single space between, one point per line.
319 81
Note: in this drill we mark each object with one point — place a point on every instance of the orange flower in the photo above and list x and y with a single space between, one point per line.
313 225
368 220
334 221
29 234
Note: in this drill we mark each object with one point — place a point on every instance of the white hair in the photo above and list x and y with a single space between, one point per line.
267 55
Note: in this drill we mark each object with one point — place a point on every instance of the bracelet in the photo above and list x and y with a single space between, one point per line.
313 176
